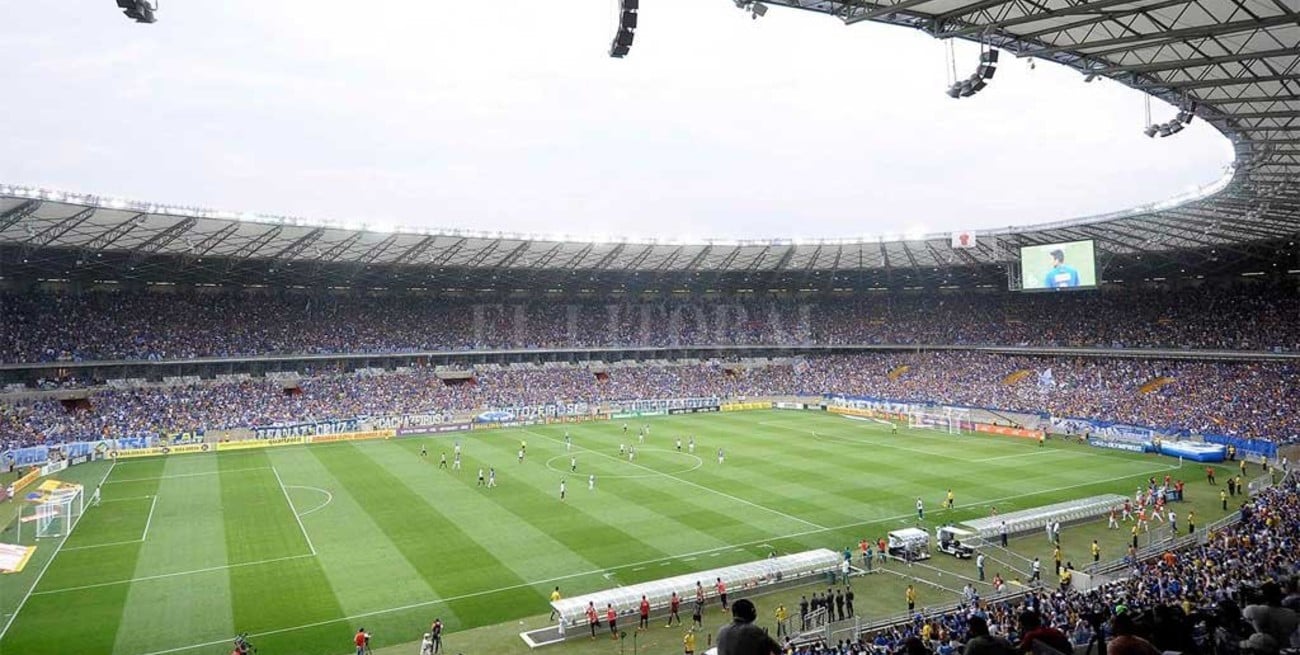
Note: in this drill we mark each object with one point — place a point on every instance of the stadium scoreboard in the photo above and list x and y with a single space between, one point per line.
1056 266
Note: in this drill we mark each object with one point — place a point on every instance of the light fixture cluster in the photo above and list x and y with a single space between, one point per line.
139 11
1185 114
627 11
979 79
756 9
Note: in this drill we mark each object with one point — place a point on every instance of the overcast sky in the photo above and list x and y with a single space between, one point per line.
510 115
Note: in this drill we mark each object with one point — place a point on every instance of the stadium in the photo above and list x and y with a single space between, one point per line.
224 431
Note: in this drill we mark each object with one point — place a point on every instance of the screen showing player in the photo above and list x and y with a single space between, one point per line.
1056 266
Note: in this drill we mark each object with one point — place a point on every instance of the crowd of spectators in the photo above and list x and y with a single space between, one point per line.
1247 399
1236 593
41 327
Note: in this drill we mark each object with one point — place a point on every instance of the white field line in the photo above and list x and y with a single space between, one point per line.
547 581
122 500
688 482
1019 455
329 497
187 475
115 543
297 517
163 576
53 555
149 521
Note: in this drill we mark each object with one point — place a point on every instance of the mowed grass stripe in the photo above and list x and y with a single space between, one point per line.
187 533
515 522
744 499
649 508
843 482
45 625
353 551
532 497
448 559
259 526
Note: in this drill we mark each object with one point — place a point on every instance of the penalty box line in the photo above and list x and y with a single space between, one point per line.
50 561
296 516
157 478
547 581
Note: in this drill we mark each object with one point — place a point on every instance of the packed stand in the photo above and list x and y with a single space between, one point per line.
41 327
1250 399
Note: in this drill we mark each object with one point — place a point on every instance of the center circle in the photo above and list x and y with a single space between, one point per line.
649 474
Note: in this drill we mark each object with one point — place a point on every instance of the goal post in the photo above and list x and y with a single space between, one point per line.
55 514
952 420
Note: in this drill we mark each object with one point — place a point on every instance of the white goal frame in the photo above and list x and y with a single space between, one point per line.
944 419
56 516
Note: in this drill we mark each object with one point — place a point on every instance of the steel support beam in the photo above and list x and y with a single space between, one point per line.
1082 8
1203 61
18 213
297 247
51 234
1216 82
411 254
1139 41
160 240
114 234
251 248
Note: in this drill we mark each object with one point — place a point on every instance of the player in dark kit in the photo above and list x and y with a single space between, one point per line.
442 462
424 452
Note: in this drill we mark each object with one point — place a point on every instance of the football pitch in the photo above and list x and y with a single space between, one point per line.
300 546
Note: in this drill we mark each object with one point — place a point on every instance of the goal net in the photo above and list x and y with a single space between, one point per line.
55 514
951 420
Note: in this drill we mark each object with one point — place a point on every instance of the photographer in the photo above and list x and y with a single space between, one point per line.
362 641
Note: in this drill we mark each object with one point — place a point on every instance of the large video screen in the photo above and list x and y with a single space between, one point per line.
1070 265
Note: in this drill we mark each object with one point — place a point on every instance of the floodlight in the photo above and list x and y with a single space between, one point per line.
628 20
954 91
986 71
967 89
1150 131
977 83
759 9
1164 130
989 57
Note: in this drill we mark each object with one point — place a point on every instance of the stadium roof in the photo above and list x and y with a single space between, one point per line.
1237 60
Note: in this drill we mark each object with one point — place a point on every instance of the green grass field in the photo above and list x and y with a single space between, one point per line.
300 546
